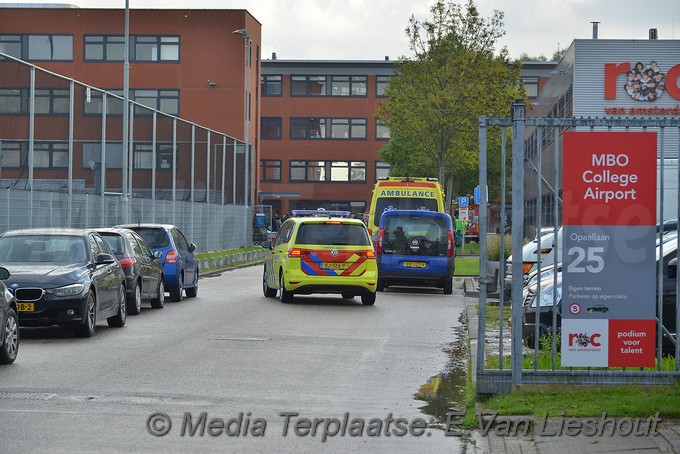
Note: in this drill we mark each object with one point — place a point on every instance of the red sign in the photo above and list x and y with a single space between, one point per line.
632 343
611 178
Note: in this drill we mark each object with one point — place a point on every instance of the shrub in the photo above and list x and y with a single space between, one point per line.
493 247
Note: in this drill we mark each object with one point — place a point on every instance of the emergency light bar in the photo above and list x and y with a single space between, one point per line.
321 212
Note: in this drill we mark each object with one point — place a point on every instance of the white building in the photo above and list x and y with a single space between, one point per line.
607 78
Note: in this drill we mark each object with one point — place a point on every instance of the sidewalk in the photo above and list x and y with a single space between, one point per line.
502 437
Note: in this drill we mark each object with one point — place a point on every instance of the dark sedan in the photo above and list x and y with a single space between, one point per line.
143 271
65 277
9 328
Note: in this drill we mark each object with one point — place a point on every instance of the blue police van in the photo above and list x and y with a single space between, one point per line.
415 248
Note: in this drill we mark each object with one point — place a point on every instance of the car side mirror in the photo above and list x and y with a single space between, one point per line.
4 273
158 254
672 268
105 259
192 247
266 244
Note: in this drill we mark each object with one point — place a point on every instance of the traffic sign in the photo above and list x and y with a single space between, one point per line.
463 201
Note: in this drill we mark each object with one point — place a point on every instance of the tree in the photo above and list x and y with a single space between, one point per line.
558 54
526 57
434 101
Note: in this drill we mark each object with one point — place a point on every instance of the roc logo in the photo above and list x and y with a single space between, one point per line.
645 82
583 340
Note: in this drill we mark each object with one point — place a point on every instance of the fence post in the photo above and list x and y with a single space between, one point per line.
483 226
518 108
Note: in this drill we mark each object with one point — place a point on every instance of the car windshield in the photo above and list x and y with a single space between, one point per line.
154 237
42 248
415 235
328 233
402 203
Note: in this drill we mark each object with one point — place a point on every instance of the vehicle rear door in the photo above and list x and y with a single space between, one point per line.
189 262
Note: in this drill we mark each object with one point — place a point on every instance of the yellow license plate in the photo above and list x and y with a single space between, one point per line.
26 307
415 264
336 265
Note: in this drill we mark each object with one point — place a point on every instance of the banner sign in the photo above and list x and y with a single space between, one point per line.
609 273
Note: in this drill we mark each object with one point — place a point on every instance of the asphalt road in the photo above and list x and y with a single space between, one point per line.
204 361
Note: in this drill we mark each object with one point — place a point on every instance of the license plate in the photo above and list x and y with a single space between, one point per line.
415 264
26 307
336 265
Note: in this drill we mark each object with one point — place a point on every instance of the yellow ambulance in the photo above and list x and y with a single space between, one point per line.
404 193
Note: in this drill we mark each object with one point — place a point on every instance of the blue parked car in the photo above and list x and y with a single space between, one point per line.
415 248
180 267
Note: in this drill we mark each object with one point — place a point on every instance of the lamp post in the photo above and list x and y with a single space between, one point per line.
246 195
126 119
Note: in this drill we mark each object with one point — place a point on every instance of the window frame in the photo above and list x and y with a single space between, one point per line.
266 123
269 83
267 165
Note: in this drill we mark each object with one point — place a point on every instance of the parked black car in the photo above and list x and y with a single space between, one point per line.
65 277
143 271
9 328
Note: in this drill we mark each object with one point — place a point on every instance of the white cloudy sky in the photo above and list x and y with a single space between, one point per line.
373 29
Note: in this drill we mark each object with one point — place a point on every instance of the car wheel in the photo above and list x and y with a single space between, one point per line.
284 295
368 299
347 296
192 291
381 285
268 291
448 287
176 292
118 320
134 304
86 329
10 339
159 301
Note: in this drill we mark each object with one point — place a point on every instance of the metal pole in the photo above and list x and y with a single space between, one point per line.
483 214
501 268
174 168
31 135
126 109
193 176
102 165
233 180
224 162
246 196
518 109
70 153
153 168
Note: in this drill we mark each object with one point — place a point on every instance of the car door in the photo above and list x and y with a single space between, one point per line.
280 251
189 263
149 268
101 276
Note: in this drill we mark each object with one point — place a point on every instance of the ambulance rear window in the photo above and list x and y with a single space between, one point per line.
402 203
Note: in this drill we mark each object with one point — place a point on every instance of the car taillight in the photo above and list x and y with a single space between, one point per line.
451 245
171 257
295 252
379 241
366 254
126 262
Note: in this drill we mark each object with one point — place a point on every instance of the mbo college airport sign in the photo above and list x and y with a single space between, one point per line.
609 273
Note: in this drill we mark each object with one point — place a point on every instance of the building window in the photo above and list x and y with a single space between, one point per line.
167 101
142 155
271 170
382 131
328 85
530 86
48 101
38 47
46 155
382 170
271 128
11 45
328 171
332 128
142 48
381 83
271 86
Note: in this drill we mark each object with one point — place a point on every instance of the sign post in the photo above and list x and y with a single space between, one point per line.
609 274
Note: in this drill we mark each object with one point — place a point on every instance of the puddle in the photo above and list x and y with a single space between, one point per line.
445 392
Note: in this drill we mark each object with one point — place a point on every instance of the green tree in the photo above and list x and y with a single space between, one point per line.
434 101
526 57
558 54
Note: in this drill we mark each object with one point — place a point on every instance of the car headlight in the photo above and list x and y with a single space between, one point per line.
8 295
67 290
546 297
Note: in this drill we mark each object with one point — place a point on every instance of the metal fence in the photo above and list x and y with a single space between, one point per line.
502 361
64 163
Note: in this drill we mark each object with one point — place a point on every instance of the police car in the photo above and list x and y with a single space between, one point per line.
319 251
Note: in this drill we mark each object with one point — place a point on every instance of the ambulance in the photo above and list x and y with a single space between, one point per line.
404 193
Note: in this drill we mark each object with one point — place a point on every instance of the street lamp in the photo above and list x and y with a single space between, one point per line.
244 33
